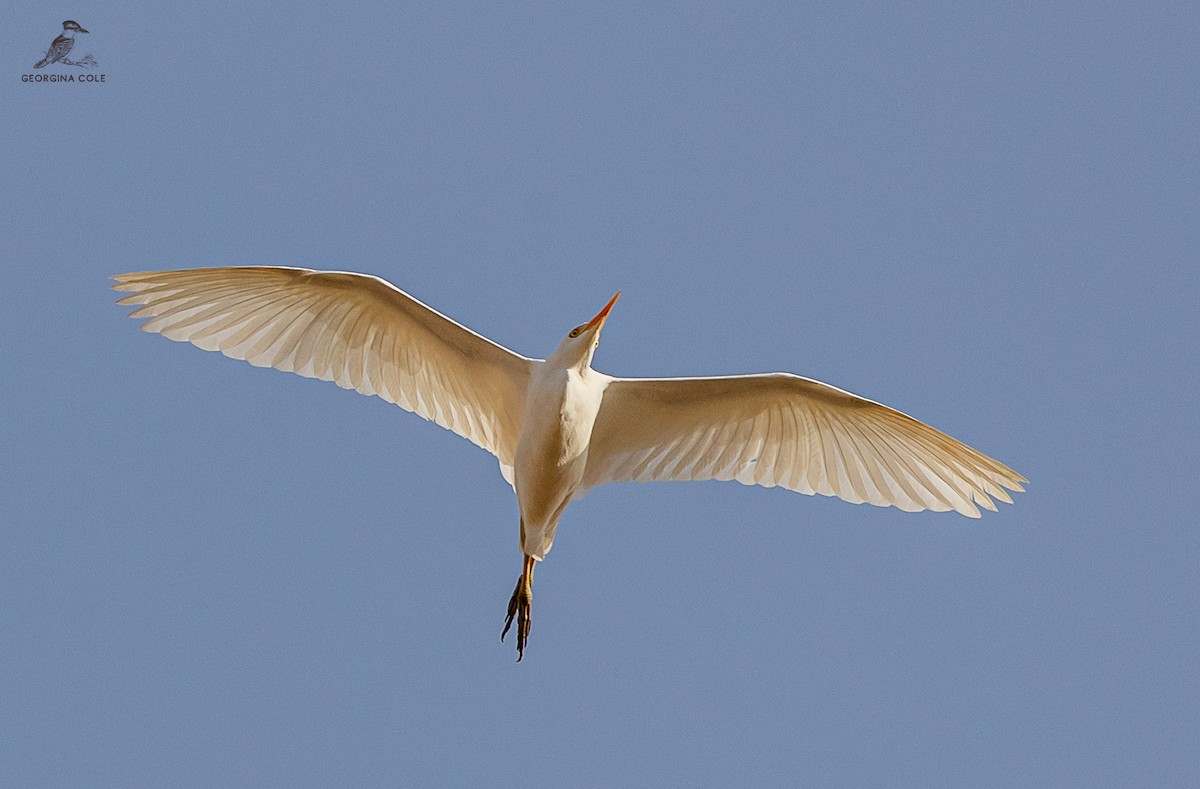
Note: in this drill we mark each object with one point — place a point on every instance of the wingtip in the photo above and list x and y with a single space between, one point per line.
128 275
126 281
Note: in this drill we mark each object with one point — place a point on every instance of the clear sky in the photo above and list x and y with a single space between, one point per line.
985 215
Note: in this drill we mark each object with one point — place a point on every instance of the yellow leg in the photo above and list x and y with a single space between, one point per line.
520 605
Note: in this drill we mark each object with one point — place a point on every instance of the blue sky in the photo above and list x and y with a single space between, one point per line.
982 214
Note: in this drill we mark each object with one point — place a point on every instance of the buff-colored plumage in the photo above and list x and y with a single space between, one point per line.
557 426
356 330
797 433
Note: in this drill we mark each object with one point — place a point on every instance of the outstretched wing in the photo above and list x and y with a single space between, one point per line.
781 429
356 330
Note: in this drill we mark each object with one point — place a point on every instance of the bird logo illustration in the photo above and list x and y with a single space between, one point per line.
62 46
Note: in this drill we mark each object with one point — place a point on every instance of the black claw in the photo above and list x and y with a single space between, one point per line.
524 620
518 609
512 610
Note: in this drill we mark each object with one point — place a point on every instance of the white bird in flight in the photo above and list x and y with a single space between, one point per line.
557 426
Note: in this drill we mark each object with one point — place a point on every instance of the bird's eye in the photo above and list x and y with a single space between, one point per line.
574 332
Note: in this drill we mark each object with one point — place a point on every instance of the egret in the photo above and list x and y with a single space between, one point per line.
557 426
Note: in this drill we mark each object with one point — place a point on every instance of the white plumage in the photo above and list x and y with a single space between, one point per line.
353 329
557 426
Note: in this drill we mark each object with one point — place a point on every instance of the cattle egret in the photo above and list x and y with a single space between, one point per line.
557 426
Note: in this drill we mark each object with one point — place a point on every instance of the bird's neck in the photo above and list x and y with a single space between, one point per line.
581 365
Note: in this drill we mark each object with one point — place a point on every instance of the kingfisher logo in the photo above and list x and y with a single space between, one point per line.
63 46
67 49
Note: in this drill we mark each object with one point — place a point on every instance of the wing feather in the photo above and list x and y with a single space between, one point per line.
355 330
781 429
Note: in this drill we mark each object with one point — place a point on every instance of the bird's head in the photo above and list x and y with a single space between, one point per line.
73 26
577 347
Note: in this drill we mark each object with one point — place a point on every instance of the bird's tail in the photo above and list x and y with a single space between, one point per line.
41 62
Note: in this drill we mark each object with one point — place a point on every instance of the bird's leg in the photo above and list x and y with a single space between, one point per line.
520 605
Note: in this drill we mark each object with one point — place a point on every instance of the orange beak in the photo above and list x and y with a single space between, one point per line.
602 315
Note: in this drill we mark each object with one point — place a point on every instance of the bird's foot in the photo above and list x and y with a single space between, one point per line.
520 606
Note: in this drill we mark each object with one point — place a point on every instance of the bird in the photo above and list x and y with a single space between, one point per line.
557 426
61 46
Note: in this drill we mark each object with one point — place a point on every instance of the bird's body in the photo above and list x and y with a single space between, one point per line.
552 453
61 46
557 426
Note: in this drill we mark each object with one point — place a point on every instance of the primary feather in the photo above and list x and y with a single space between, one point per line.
356 330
